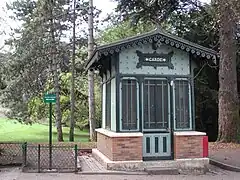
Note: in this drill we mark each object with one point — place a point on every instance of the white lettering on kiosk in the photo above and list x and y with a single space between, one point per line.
156 59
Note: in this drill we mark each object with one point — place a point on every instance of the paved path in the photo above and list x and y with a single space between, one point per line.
90 164
229 156
16 174
225 155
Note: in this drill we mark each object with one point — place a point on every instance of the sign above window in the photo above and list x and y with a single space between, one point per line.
154 59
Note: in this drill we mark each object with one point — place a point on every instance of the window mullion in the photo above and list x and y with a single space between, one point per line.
127 113
184 102
179 103
190 105
149 104
163 120
155 103
132 103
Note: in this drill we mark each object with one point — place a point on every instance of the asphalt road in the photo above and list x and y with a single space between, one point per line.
16 174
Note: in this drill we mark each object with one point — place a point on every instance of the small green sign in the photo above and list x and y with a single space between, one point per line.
49 98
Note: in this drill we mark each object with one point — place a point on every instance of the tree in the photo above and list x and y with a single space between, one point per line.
72 120
36 50
28 62
54 69
156 11
37 56
229 122
3 62
92 122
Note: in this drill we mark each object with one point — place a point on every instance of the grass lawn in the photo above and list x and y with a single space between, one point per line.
12 130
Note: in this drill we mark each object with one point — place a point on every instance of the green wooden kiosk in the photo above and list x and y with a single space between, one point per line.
148 97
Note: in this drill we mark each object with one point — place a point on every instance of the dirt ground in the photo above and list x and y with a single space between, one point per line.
216 146
16 174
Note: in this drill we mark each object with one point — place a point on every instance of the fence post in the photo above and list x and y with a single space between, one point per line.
76 154
39 156
24 151
23 154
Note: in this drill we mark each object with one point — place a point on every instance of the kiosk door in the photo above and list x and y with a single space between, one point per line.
156 119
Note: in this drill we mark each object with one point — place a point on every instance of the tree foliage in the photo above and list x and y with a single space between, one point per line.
30 62
121 30
156 11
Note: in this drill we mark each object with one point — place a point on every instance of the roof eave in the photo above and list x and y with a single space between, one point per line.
92 60
142 38
154 32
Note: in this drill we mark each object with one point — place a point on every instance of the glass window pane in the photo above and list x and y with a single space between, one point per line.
182 114
129 104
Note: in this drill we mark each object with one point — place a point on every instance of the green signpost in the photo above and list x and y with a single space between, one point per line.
50 98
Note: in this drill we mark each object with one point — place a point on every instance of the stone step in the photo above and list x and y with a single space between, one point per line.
161 171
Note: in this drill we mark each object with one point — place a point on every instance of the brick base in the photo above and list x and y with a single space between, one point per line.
188 146
128 146
120 146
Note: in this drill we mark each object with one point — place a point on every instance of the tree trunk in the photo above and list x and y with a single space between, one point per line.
55 76
91 100
228 94
72 121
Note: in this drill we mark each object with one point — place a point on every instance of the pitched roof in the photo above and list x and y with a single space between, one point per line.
149 37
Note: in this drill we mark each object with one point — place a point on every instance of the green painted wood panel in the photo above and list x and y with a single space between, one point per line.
157 145
128 60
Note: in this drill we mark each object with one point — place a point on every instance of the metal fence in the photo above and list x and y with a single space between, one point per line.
10 153
55 158
40 157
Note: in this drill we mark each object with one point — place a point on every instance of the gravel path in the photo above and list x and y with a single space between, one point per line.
16 174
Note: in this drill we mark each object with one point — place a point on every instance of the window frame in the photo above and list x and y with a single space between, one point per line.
138 105
190 105
169 105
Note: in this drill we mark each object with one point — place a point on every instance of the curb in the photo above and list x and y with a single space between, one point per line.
224 166
112 173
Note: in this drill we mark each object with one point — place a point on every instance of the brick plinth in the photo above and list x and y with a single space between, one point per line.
120 146
188 146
